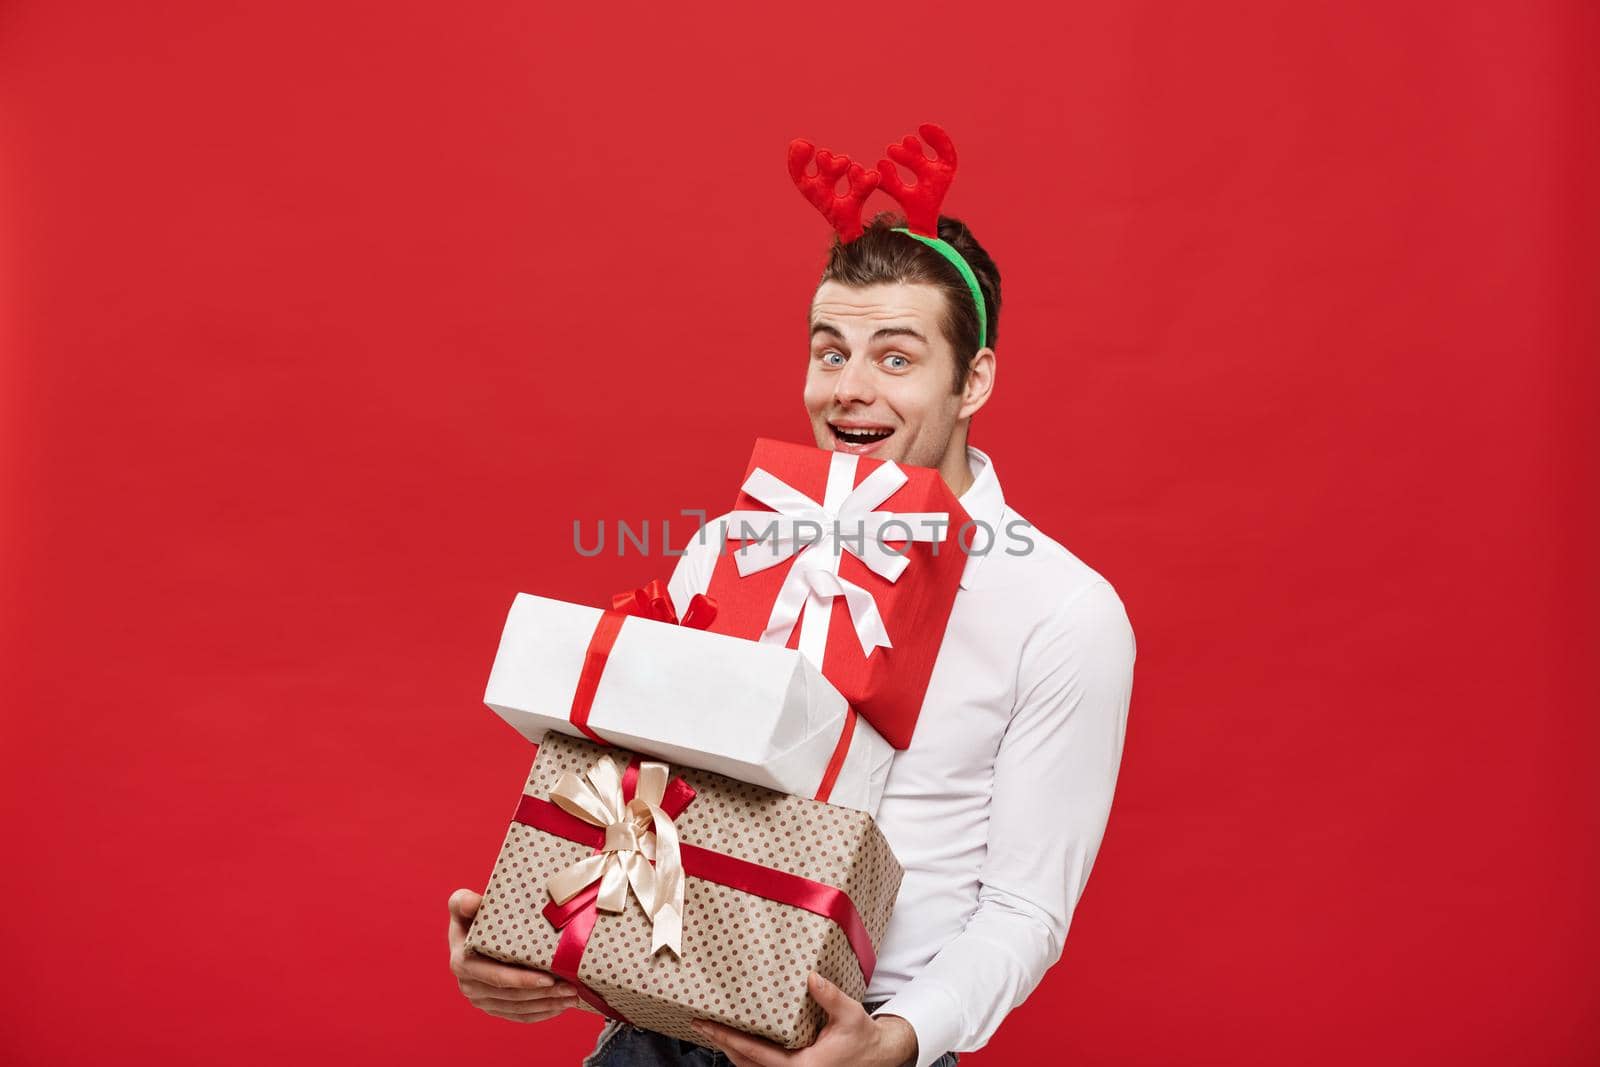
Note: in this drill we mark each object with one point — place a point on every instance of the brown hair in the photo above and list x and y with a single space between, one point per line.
880 256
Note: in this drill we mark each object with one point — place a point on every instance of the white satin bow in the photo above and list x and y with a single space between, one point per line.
845 521
637 832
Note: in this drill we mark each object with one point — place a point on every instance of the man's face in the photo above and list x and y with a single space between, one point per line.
881 371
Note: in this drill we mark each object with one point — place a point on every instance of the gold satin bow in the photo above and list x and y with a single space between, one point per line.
637 832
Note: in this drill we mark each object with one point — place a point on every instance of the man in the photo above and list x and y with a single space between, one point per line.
997 809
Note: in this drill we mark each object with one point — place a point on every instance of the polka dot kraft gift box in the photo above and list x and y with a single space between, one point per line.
667 894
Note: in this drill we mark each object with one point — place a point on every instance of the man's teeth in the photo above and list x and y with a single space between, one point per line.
863 435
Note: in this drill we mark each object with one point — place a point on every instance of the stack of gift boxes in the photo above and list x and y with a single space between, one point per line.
696 835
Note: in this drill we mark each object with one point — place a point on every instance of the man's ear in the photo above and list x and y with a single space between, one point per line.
980 383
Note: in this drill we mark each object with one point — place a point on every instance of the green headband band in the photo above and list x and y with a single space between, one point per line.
948 251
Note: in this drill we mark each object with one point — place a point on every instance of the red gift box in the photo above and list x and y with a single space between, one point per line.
854 561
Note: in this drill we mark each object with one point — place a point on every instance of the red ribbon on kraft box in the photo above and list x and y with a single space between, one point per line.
577 917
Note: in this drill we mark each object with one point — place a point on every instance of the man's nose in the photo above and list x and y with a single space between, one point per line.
854 382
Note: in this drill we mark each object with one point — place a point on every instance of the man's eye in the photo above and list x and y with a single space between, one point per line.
902 363
832 358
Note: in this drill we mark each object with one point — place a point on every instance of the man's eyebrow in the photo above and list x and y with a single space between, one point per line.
898 331
886 331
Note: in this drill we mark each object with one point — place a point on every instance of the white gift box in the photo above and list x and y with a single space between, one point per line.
755 712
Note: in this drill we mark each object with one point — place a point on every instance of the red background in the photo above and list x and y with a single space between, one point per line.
323 322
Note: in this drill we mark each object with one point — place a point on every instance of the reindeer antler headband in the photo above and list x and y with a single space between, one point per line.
920 201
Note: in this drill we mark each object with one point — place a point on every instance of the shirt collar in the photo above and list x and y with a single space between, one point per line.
984 504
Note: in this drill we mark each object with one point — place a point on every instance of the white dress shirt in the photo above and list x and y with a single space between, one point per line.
997 809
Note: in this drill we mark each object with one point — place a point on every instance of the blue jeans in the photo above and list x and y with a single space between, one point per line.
621 1045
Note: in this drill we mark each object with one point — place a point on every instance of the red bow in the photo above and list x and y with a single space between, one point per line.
652 602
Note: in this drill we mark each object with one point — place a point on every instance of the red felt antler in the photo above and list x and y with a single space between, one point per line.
920 201
842 210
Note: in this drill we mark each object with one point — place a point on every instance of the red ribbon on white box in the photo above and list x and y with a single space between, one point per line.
653 602
647 602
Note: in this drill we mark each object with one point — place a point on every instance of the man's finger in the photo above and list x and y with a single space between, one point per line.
838 1004
548 1009
470 965
484 991
475 990
758 1052
523 1018
733 1057
463 906
516 1007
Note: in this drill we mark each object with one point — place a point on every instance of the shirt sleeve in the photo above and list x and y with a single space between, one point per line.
1053 779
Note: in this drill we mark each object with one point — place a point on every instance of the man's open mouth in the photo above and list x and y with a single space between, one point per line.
859 435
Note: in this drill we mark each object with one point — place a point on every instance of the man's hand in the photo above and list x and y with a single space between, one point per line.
520 994
851 1037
